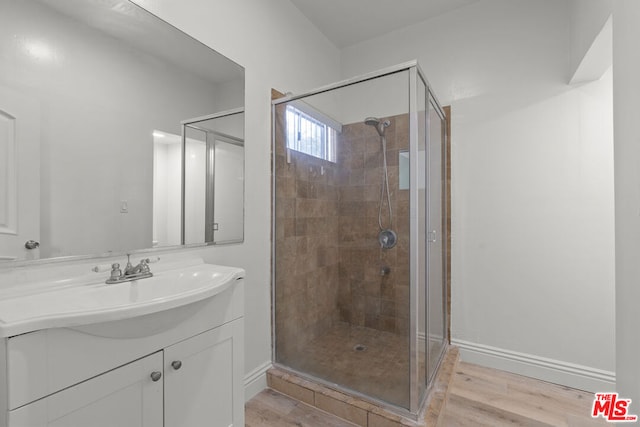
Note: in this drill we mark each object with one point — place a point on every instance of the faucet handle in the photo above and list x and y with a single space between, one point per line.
144 265
115 271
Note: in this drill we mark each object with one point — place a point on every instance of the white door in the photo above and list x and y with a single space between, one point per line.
19 176
127 396
201 379
228 194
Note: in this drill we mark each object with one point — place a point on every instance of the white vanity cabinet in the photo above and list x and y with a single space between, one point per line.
126 396
181 367
205 363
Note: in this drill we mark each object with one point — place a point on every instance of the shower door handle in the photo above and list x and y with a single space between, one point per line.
432 236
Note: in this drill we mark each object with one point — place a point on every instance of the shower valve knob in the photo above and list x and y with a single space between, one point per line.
387 239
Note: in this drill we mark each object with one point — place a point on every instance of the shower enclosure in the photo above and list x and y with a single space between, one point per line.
359 256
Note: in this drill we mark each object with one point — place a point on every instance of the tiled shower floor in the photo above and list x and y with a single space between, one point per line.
380 371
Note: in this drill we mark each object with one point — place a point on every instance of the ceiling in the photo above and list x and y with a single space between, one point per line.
347 22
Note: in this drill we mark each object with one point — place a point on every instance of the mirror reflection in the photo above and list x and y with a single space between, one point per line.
87 88
214 179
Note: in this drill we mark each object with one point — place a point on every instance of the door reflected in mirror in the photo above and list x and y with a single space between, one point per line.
167 191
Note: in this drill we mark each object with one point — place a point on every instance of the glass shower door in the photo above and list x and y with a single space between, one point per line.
436 238
214 179
342 292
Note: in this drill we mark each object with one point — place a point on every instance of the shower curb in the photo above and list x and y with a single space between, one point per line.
360 411
439 395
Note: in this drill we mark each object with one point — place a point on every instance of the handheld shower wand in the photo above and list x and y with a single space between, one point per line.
387 237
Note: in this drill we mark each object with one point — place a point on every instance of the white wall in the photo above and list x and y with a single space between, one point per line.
532 186
279 48
382 97
626 63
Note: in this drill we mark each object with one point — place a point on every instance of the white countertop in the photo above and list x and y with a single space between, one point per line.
86 299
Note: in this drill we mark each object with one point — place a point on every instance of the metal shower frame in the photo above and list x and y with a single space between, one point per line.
416 75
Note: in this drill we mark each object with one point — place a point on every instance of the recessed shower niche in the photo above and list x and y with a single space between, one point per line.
359 236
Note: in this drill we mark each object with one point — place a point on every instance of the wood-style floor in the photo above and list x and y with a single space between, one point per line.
478 397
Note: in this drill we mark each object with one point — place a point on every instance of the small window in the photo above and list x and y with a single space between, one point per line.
309 135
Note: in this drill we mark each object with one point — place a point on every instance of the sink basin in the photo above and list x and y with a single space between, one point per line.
91 303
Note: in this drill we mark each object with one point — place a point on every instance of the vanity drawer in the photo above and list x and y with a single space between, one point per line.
43 362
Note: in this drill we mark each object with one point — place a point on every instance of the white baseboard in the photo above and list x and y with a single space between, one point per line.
422 339
256 381
551 370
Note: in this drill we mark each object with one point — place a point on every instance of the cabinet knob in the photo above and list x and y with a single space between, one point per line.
176 364
156 375
31 244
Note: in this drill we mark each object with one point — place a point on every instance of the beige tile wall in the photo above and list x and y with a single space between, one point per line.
366 298
306 249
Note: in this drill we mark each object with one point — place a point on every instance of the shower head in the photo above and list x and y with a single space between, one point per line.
371 121
380 126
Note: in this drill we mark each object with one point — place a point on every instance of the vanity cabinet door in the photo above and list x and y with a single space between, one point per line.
204 380
126 396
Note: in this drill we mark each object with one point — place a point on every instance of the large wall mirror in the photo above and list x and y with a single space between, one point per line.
94 97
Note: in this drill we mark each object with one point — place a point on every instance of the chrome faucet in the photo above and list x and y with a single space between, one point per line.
131 272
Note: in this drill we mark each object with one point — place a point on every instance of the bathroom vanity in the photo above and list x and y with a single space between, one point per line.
160 351
163 351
